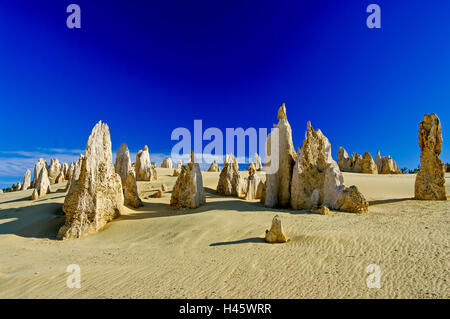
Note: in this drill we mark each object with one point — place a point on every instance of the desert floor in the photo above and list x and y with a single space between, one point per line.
218 251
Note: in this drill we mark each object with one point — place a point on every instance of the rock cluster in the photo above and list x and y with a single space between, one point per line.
430 180
167 163
214 167
41 185
127 175
317 180
279 162
356 163
188 191
254 184
276 234
230 181
386 165
97 196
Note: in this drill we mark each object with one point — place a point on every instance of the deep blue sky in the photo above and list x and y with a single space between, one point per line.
147 67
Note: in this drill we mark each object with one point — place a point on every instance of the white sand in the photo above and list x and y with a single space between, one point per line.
217 250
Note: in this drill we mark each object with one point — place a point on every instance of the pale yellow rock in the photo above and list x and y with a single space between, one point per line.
26 180
74 175
54 169
214 167
430 180
40 164
70 171
167 163
230 181
368 166
64 169
317 180
386 165
164 187
127 175
323 210
188 191
143 167
276 234
34 195
344 161
60 178
279 172
42 186
157 194
97 196
254 184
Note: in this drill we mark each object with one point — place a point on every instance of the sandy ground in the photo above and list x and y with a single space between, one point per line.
217 250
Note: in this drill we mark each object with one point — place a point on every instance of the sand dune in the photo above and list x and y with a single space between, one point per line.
218 251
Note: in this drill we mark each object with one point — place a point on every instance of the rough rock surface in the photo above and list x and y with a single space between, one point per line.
356 163
130 191
42 186
60 178
188 191
386 165
69 172
143 165
26 180
279 173
254 184
40 164
18 186
214 167
127 175
317 180
97 196
430 180
54 169
257 161
276 234
230 181
64 169
75 175
157 194
344 161
167 163
368 166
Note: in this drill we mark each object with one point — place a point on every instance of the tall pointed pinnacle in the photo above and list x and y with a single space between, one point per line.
282 112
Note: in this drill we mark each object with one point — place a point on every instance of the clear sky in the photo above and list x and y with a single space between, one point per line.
148 67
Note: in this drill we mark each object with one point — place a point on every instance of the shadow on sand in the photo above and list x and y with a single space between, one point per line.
35 221
388 201
257 240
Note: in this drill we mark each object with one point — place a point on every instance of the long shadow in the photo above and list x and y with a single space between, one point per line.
16 200
257 240
35 221
388 201
26 198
